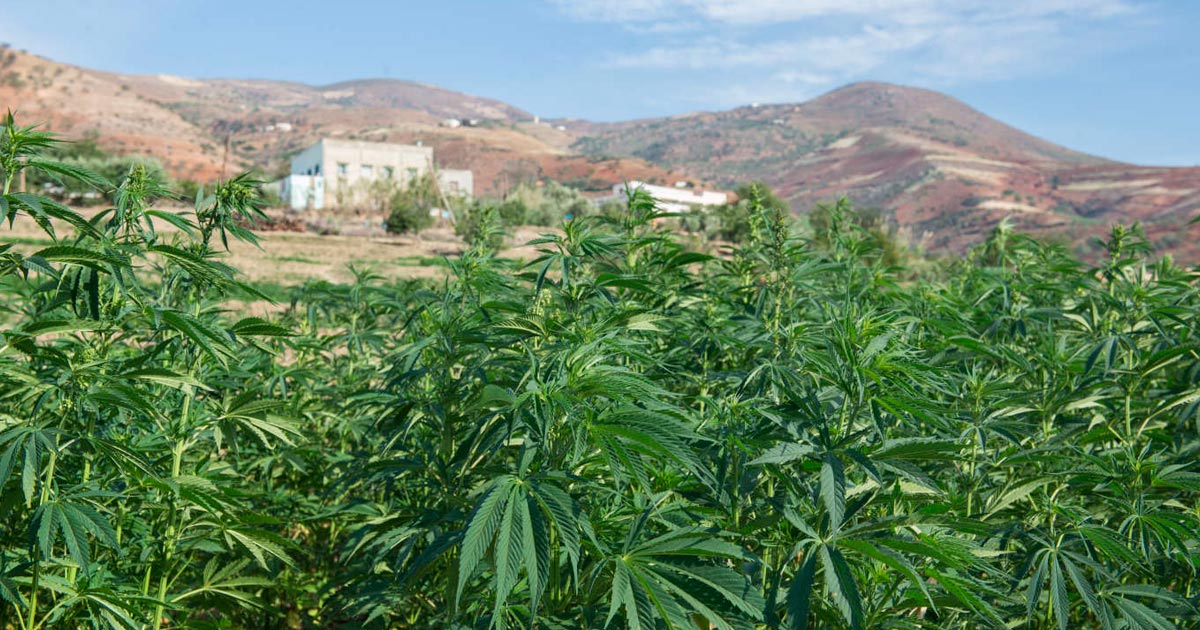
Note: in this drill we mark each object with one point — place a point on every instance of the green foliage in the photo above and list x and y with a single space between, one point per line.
410 204
621 433
407 218
85 155
733 220
546 203
758 194
133 415
189 188
481 224
837 222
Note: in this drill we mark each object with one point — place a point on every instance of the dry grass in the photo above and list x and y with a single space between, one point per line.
290 258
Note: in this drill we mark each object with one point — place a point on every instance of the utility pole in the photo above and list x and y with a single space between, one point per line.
225 158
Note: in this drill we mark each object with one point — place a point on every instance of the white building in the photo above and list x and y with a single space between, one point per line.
303 192
333 172
667 198
456 182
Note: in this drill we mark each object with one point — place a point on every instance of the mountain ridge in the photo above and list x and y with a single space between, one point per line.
941 170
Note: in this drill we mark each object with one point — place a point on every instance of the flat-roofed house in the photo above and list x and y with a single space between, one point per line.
335 172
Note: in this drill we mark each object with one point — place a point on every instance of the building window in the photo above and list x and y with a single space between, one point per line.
412 173
389 172
366 170
343 168
453 187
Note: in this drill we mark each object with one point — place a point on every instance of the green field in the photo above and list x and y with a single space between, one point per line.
620 432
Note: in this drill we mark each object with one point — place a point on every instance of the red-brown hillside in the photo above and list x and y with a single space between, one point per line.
943 171
188 123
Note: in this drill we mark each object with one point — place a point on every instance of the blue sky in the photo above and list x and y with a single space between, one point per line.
1119 78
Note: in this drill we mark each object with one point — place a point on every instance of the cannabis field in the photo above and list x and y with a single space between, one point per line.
621 433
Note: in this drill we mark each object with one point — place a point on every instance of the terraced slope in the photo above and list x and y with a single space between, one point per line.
943 171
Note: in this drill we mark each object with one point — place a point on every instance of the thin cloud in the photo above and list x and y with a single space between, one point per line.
665 28
800 77
848 54
826 42
785 11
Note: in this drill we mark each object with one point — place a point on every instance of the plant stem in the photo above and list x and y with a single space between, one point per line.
172 513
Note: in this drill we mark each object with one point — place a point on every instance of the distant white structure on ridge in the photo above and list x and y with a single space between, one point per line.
668 198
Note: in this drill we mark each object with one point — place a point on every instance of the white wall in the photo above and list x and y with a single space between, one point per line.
343 164
308 161
456 182
669 199
302 192
687 196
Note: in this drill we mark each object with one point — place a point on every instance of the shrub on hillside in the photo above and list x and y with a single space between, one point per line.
731 222
86 154
407 217
481 225
410 206
545 203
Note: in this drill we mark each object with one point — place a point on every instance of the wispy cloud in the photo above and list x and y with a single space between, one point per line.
825 42
793 77
782 11
858 52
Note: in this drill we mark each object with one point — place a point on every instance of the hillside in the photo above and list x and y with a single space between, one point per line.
75 101
943 171
187 123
